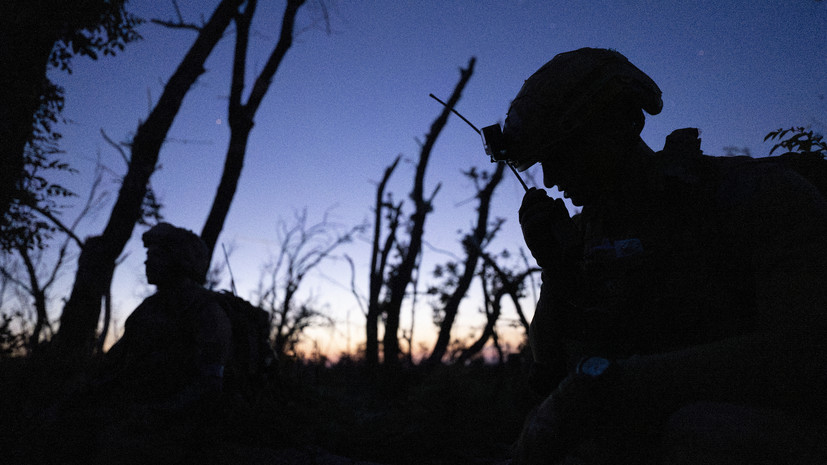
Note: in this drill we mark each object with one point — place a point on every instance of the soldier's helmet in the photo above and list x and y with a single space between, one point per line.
186 249
557 99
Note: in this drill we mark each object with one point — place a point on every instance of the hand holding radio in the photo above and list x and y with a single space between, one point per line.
548 231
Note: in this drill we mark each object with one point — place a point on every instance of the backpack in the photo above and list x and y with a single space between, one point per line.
812 166
252 364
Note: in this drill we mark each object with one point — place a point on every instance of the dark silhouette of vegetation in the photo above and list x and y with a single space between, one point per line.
240 115
337 414
389 210
36 37
800 140
96 263
399 275
473 245
463 412
302 248
497 283
30 271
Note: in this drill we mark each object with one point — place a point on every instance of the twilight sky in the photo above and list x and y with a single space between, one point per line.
344 104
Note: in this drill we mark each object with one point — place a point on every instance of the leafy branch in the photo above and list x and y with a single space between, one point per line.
799 140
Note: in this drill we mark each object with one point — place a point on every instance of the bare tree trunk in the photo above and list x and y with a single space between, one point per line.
107 319
399 280
241 115
473 249
378 262
97 259
282 333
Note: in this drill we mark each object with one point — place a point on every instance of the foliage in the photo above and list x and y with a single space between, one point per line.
12 342
30 219
95 27
88 28
395 283
799 140
99 255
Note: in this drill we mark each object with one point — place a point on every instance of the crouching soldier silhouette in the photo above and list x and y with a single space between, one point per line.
177 342
167 370
683 312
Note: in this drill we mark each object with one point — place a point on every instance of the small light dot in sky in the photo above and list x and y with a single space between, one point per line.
218 121
700 53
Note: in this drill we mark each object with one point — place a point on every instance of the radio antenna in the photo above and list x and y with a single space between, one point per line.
455 112
513 170
227 259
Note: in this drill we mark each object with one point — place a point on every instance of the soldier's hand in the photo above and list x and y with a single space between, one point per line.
547 228
613 406
556 427
568 418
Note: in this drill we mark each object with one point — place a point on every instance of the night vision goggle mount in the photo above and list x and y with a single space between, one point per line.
493 141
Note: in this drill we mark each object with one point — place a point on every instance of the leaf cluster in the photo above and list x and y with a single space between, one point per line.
448 273
11 342
92 27
83 28
150 209
798 139
27 222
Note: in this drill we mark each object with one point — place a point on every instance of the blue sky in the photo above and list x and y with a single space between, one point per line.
344 104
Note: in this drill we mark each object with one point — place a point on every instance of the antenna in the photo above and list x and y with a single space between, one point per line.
513 170
227 259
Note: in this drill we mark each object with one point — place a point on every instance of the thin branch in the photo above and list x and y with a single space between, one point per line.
178 11
360 300
9 277
58 223
262 82
180 23
116 146
176 24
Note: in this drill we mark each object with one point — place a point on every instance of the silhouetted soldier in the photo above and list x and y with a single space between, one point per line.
682 315
177 341
167 370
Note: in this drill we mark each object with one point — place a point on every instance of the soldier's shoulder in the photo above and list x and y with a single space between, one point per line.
742 178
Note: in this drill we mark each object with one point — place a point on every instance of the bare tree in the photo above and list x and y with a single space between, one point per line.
240 115
302 248
399 275
40 276
497 283
391 211
473 246
97 260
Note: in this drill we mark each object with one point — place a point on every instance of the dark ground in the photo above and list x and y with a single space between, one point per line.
343 414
